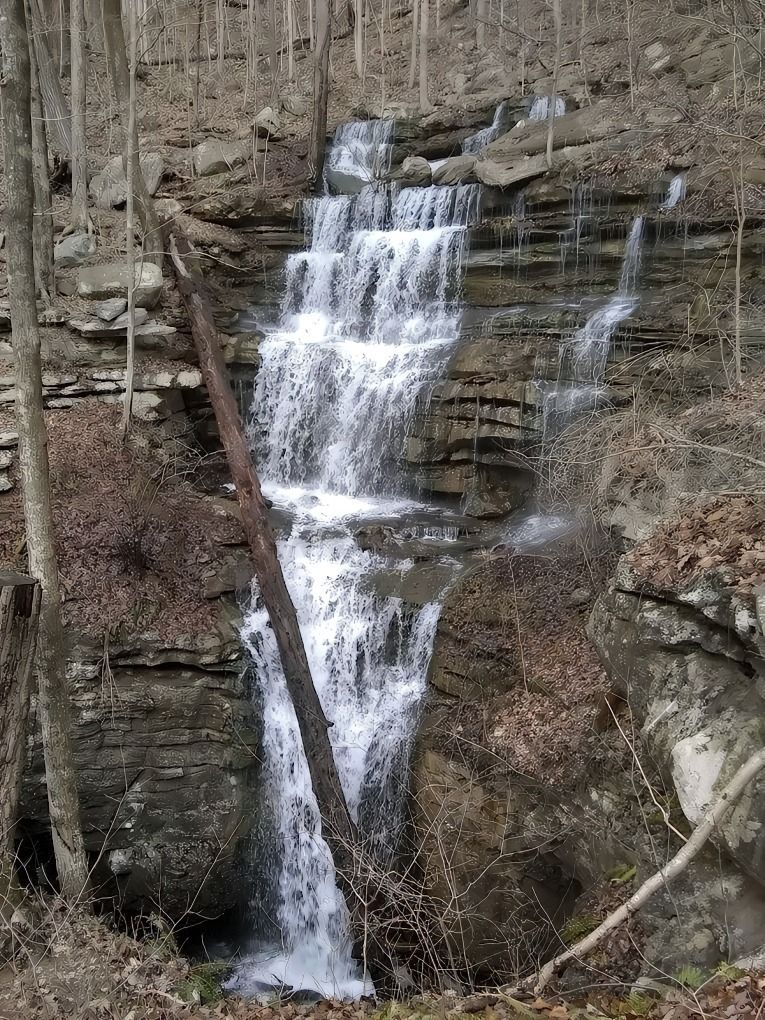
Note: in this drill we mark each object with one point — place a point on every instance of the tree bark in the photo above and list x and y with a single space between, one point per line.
320 87
19 616
413 57
713 818
130 164
79 218
337 826
57 110
273 52
53 696
424 101
43 216
556 71
116 58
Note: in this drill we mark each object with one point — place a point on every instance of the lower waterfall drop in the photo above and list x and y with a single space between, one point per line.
369 317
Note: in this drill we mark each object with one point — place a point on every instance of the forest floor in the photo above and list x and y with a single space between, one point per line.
77 967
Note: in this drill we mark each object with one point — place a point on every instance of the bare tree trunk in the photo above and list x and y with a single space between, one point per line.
79 218
130 162
413 60
712 820
320 87
556 72
739 193
53 696
56 107
290 11
43 218
19 617
220 34
481 17
337 825
424 101
116 58
95 24
273 53
358 36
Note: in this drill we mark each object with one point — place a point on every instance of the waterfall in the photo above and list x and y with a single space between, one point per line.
540 107
482 138
369 316
675 193
584 358
361 149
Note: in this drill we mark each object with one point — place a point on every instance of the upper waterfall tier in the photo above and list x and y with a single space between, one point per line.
369 314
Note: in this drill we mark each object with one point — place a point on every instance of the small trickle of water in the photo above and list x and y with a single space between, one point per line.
540 107
474 143
585 356
675 193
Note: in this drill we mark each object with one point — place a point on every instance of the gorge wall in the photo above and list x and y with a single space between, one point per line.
577 705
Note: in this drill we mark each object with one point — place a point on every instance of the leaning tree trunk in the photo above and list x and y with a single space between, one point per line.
53 696
57 110
320 87
116 58
43 221
337 826
19 616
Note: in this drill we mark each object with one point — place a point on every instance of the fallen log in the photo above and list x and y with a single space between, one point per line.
337 826
712 819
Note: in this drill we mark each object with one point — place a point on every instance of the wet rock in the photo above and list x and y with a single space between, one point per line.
8 440
5 482
215 156
108 310
414 172
73 250
99 283
456 170
108 189
5 318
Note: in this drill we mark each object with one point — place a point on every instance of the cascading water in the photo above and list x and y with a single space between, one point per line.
675 193
583 361
540 107
474 143
369 316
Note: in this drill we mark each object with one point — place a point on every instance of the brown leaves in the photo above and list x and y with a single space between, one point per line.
726 535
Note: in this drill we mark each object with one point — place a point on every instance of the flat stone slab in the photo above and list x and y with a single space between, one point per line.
108 310
100 283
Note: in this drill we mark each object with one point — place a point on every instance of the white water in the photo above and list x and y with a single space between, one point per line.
362 149
584 359
540 107
369 315
675 192
474 143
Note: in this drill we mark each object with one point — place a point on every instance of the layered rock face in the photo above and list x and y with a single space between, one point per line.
165 747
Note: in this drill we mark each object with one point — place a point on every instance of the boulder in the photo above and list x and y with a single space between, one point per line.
98 283
267 122
295 106
110 327
215 156
413 172
690 660
108 189
73 250
456 170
